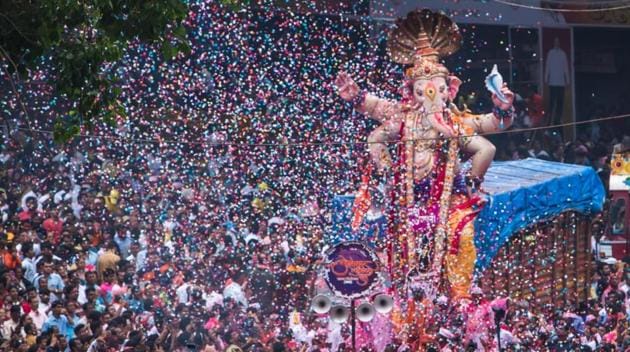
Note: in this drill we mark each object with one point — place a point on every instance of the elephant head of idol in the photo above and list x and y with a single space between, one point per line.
420 40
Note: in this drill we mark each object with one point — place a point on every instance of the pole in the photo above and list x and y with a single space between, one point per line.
499 335
354 346
499 314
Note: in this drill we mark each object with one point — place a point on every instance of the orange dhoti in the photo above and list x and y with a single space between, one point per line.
461 252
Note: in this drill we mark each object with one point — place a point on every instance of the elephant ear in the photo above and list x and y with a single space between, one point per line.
453 87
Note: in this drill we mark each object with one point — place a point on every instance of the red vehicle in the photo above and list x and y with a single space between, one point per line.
615 241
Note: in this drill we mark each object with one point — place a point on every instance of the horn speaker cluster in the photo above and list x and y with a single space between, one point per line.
365 312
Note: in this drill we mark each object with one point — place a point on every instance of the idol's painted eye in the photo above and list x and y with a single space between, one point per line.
442 89
419 92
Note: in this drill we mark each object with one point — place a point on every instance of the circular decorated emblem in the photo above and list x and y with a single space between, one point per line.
351 269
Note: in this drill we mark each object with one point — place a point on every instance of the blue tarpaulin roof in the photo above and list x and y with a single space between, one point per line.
522 192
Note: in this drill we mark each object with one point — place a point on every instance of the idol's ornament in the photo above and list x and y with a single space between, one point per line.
432 202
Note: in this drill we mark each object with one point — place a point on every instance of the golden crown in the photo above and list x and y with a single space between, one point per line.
426 63
420 39
425 69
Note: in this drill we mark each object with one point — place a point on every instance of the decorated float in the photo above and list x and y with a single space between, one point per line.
442 226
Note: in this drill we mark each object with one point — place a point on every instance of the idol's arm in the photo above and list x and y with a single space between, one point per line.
482 150
495 121
500 118
377 108
377 143
365 103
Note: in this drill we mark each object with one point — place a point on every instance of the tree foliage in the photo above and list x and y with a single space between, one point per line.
77 39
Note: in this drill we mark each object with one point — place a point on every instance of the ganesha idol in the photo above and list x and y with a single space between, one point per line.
431 201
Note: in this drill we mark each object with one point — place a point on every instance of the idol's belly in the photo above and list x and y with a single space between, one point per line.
424 187
424 162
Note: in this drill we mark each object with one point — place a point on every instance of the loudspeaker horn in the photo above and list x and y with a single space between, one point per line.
321 304
339 314
383 303
365 312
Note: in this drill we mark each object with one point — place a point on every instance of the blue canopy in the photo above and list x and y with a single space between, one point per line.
522 193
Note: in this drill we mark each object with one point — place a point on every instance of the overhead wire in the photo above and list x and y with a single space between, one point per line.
306 143
625 5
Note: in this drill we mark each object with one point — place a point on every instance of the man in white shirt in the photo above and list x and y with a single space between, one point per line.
38 312
557 77
54 281
123 241
90 282
5 211
235 289
212 295
10 326
44 299
183 292
624 285
212 299
507 338
137 255
28 262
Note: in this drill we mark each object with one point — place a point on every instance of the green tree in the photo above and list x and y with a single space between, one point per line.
77 39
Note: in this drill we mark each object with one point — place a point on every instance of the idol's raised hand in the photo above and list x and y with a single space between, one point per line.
509 95
347 88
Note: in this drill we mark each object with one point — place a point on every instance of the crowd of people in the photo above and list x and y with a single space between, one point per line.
105 252
185 228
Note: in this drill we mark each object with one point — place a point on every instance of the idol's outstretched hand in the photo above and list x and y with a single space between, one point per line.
347 88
